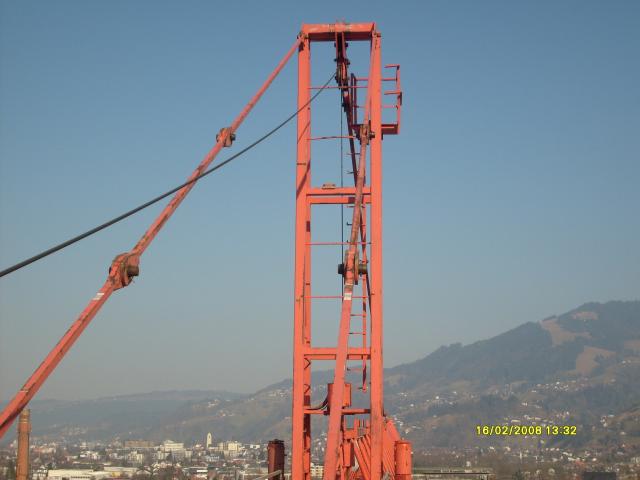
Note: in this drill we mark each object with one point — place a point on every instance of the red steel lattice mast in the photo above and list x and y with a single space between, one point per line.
367 449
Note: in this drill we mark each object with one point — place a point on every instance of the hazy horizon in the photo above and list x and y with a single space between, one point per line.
249 391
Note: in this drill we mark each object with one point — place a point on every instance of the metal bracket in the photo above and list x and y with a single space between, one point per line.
226 135
366 134
123 268
393 128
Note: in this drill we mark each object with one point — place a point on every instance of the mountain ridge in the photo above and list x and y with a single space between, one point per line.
583 362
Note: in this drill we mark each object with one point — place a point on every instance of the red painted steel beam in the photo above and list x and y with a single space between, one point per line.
336 200
326 32
329 353
377 394
337 191
125 266
301 422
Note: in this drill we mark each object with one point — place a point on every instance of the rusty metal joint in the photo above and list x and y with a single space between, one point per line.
123 268
362 268
226 136
349 266
366 134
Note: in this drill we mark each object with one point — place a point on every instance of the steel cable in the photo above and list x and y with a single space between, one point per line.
141 207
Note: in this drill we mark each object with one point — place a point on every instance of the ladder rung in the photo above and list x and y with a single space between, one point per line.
334 87
330 137
331 296
338 243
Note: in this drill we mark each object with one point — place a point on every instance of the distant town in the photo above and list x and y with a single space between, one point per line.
140 459
232 460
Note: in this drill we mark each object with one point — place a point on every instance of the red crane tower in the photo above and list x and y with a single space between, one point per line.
362 442
369 444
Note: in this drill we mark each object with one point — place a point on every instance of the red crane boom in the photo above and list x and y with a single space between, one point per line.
126 265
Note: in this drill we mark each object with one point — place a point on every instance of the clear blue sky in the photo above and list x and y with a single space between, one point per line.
511 194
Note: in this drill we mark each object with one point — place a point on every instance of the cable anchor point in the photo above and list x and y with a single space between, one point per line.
226 135
123 268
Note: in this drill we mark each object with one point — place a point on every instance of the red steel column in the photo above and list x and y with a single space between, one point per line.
301 435
376 262
403 460
306 459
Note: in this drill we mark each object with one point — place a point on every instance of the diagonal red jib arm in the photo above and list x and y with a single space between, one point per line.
125 266
35 381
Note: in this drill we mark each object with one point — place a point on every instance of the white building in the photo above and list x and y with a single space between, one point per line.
39 473
176 449
72 474
85 474
230 449
120 471
135 458
317 471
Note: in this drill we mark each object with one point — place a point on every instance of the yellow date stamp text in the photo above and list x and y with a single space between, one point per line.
514 430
